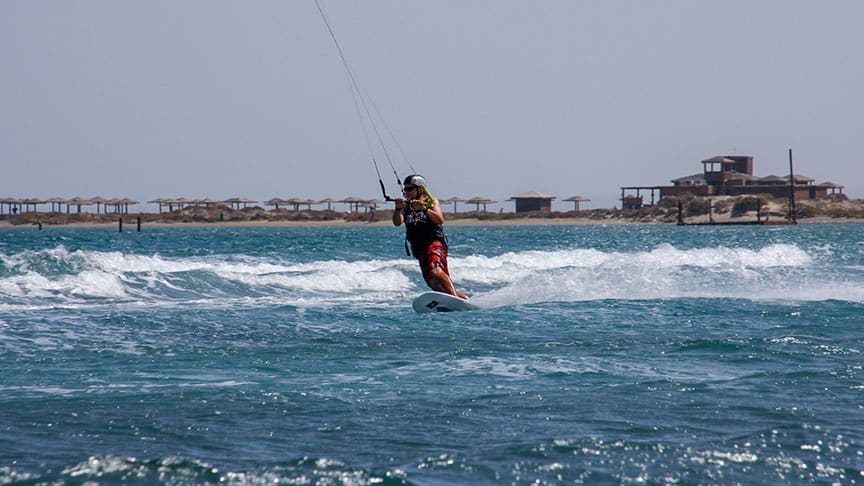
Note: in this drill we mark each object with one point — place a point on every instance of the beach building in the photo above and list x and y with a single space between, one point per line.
728 175
532 201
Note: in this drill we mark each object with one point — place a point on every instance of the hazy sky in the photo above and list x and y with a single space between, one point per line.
217 99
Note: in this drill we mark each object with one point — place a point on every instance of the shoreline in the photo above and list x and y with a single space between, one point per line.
131 224
698 211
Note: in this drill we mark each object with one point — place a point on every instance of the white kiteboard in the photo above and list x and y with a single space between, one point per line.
439 302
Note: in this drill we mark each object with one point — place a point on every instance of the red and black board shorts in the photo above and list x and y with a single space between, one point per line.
435 256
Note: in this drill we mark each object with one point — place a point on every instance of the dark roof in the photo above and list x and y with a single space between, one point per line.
695 177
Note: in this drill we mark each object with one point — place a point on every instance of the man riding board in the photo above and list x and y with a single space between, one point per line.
424 219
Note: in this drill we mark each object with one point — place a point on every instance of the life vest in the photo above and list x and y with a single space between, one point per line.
420 231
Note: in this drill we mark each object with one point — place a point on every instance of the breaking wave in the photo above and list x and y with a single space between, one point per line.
58 277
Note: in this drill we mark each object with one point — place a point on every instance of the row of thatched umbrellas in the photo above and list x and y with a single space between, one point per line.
122 205
57 203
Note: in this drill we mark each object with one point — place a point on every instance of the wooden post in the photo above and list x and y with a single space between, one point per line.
791 191
139 223
680 213
120 224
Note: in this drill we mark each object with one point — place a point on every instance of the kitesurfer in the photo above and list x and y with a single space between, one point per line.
424 219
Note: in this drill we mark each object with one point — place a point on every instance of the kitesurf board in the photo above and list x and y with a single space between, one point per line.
439 302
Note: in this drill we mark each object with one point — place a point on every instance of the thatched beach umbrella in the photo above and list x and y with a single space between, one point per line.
329 202
275 202
11 202
238 201
98 200
171 202
125 203
576 200
206 202
453 200
77 201
297 202
374 203
32 202
58 201
477 201
353 202
180 202
160 201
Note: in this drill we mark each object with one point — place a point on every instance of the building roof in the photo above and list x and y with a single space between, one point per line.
700 177
532 195
718 159
773 179
832 184
742 176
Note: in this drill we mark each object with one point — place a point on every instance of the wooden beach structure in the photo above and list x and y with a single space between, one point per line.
576 200
727 175
790 216
532 201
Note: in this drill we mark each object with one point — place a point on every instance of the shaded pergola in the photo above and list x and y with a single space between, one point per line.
576 200
454 201
478 200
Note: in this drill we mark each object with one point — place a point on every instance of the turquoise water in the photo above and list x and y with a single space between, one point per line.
629 354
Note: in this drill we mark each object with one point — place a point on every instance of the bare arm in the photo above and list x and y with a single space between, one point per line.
398 217
435 213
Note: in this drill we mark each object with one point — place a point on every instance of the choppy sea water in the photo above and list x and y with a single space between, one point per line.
632 354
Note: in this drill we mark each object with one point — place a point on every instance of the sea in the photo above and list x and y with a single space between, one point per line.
602 354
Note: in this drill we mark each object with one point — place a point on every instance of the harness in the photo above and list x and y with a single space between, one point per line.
420 231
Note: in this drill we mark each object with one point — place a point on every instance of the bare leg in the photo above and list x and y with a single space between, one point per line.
441 282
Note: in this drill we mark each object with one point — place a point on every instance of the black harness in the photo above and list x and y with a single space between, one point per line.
420 231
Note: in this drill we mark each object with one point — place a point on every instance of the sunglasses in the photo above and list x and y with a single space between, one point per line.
410 188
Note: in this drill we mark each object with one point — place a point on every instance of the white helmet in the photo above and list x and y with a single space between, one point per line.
414 180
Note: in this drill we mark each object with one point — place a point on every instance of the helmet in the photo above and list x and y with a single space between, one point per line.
414 180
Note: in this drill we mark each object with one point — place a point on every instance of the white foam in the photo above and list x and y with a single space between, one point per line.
775 272
57 277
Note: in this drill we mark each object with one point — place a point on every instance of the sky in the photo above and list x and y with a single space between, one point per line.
490 98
